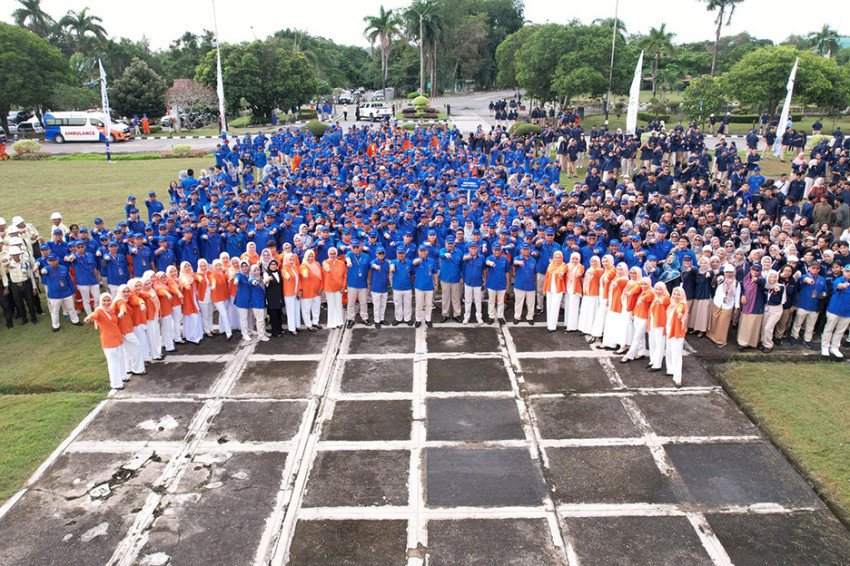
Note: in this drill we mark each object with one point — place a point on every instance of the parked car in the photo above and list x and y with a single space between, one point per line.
375 110
27 128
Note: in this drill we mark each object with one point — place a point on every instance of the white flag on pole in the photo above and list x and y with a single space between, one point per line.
634 95
786 108
104 100
219 87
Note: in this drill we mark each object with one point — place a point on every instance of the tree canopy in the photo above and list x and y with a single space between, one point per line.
139 91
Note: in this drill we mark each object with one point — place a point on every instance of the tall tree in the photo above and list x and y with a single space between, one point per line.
724 8
824 41
659 42
139 90
84 29
383 28
31 16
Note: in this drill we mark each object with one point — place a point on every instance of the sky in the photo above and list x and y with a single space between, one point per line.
342 20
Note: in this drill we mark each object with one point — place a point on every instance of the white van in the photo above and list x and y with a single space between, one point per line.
81 126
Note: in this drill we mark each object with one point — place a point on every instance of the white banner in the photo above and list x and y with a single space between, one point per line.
786 108
104 101
634 96
219 88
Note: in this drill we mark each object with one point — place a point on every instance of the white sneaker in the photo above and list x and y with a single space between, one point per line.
824 352
263 338
836 353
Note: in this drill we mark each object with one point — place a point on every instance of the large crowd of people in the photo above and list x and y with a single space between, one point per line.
287 234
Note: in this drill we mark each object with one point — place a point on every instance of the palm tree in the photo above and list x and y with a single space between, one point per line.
33 18
384 28
422 24
824 42
659 42
722 6
609 23
83 29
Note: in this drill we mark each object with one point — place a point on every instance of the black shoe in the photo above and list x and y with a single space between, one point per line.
395 323
444 319
592 340
550 331
778 341
501 322
349 324
34 320
429 324
366 323
78 323
809 345
458 319
767 350
56 329
792 341
418 324
515 321
530 322
410 323
9 325
377 325
653 370
229 338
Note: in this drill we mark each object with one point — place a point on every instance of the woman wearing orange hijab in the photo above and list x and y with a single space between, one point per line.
311 291
193 327
572 299
657 326
598 328
677 325
555 285
111 340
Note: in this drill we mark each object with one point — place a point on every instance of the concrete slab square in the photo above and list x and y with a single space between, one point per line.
583 417
507 542
607 474
371 376
473 420
568 375
712 414
257 421
277 380
369 420
394 341
57 522
537 339
718 474
451 340
349 543
636 541
132 420
459 477
783 539
216 345
306 344
193 378
358 478
219 511
468 374
634 374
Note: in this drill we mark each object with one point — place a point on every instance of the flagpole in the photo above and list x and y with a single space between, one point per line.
104 101
219 81
611 70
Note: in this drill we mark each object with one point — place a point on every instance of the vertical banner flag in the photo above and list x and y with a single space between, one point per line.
104 101
634 95
219 87
783 119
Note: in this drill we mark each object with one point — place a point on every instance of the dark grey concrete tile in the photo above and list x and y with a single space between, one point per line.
712 414
456 340
305 344
277 380
216 345
369 420
468 375
506 542
567 375
583 417
257 421
634 374
473 420
349 543
148 420
537 339
374 375
367 340
358 478
174 378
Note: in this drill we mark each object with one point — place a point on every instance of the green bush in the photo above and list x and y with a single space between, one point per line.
102 157
420 102
31 156
754 118
181 150
812 141
26 146
412 95
290 118
307 114
156 129
524 129
316 128
648 116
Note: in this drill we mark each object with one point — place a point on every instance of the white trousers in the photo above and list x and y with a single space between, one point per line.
167 333
524 298
673 358
355 294
657 346
223 318
553 309
232 315
587 313
403 303
115 364
450 297
89 293
245 323
207 310
293 313
193 327
310 310
141 333
572 304
496 303
335 319
67 305
177 322
379 306
598 327
472 296
154 338
807 319
113 290
424 305
834 330
638 347
134 361
260 319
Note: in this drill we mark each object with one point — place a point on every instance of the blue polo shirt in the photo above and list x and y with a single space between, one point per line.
810 292
473 271
402 275
380 275
497 276
359 270
525 274
423 275
450 265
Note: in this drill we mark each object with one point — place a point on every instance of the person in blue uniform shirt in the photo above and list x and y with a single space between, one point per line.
423 284
212 244
450 275
543 249
187 249
525 284
473 280
153 205
497 267
60 291
116 268
402 280
164 256
812 288
379 284
140 254
358 283
837 315
86 275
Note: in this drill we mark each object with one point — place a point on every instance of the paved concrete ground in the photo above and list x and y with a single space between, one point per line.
443 446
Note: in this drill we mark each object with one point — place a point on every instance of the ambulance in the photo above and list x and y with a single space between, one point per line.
81 126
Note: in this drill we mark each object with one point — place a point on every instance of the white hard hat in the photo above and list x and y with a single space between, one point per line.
17 220
2 221
13 229
14 250
16 241
56 216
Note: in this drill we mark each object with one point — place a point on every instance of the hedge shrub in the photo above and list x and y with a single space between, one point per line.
317 128
420 102
31 156
812 141
156 129
754 118
525 128
307 114
26 146
182 150
412 95
649 116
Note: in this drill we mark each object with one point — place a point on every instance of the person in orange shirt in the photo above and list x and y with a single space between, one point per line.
608 274
572 300
555 285
291 292
220 296
639 318
111 340
657 326
204 290
590 296
134 360
166 310
677 326
193 327
333 281
250 255
629 298
140 317
152 308
614 335
311 291
173 281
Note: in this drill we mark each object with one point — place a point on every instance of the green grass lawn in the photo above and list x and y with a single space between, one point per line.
808 407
